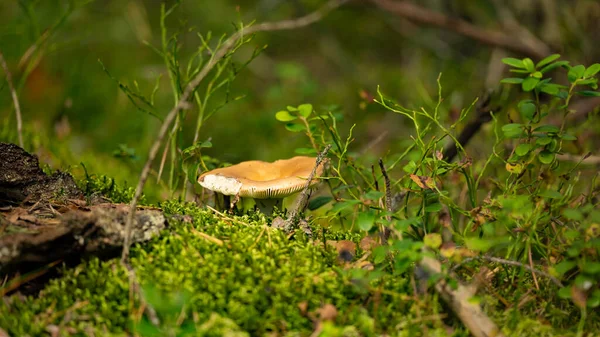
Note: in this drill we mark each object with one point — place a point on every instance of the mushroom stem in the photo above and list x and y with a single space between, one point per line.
267 206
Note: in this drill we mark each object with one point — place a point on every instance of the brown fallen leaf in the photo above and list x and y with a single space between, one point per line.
423 182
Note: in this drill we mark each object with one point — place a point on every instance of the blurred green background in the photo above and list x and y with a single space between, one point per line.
74 112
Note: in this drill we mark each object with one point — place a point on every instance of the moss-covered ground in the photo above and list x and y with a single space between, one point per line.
235 276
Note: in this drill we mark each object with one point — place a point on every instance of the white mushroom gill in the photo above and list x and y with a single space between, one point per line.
221 184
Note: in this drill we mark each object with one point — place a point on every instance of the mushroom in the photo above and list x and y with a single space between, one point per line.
266 183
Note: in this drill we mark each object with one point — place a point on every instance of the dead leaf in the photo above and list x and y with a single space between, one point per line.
423 182
368 243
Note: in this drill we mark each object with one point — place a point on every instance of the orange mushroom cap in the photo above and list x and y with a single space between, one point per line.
262 180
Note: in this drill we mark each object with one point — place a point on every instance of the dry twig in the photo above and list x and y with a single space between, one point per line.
301 202
195 82
388 202
512 263
418 14
15 98
458 299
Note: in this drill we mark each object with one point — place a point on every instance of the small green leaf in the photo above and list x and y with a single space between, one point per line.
512 130
550 88
513 62
551 194
295 127
591 267
318 202
523 149
537 75
589 93
564 267
433 240
592 70
543 141
374 195
366 220
291 108
553 66
567 136
546 157
478 244
433 208
305 109
527 110
564 293
284 116
512 80
529 83
528 63
548 128
340 206
547 60
575 73
573 214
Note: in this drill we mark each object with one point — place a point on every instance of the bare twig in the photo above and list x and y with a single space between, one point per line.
418 14
483 110
136 288
195 82
458 299
511 263
301 201
15 98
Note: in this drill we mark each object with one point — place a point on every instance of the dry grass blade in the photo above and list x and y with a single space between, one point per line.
15 98
183 101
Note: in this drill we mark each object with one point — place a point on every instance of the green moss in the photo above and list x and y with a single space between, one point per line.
230 275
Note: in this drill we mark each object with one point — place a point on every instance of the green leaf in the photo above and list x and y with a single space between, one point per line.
546 157
553 66
550 88
528 63
340 206
318 202
589 93
295 127
433 240
305 151
543 141
564 267
366 220
305 109
537 75
547 128
592 70
512 130
567 136
284 116
529 83
551 194
433 208
512 80
291 108
523 149
479 244
527 109
547 60
575 73
564 293
591 267
513 62
374 195
573 214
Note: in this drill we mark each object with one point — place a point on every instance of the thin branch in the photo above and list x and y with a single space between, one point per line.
511 263
194 83
15 99
301 202
489 37
459 300
472 128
